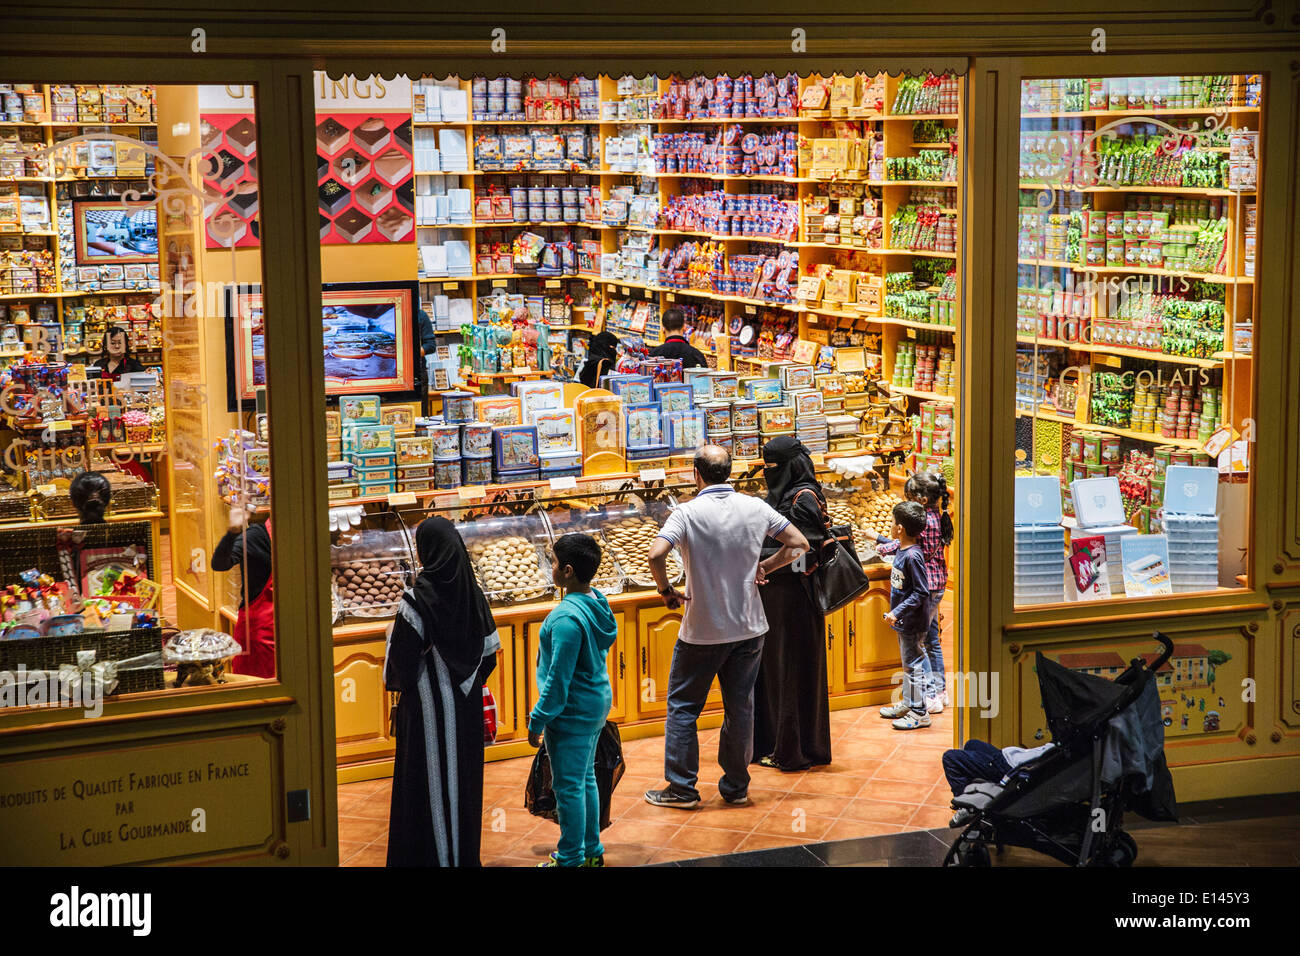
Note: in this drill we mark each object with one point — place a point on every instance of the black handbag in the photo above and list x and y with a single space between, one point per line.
838 577
539 793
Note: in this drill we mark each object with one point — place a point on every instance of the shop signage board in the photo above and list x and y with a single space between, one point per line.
140 804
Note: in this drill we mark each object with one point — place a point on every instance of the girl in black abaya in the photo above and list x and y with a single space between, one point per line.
602 357
441 648
792 725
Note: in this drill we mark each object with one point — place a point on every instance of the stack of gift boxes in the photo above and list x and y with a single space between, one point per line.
1099 511
1040 541
1192 527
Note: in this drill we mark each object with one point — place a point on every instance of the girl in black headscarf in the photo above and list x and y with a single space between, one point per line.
602 355
441 648
792 724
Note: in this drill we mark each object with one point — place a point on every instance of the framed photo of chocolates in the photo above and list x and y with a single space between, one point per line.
365 177
369 341
115 232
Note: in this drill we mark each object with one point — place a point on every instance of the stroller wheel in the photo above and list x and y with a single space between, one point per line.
1123 850
967 853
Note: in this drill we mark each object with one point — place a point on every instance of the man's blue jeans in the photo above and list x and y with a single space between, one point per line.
689 679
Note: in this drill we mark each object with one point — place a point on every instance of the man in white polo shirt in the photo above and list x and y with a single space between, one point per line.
720 534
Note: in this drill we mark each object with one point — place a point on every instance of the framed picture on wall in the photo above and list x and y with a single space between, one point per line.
369 342
115 231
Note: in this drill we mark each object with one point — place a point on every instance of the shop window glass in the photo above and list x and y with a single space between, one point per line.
130 214
500 232
1136 303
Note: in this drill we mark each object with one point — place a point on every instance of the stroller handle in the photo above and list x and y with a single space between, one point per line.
1168 651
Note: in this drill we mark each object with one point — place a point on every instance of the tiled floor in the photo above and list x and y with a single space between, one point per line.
881 781
1247 831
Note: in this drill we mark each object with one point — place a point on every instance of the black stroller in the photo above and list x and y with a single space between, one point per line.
1069 802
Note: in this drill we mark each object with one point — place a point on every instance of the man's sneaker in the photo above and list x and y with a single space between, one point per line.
891 711
598 860
962 817
947 699
666 798
912 721
934 705
741 801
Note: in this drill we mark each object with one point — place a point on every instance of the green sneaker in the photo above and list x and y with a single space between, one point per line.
554 860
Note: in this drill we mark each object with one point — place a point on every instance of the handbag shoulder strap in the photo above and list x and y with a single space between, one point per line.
826 519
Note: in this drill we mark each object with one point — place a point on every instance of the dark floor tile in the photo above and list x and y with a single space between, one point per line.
920 845
780 856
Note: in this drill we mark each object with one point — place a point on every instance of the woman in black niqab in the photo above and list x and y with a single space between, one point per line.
441 648
602 356
792 727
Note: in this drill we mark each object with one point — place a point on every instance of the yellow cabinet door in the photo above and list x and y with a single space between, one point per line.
361 704
835 632
869 654
656 633
615 661
506 684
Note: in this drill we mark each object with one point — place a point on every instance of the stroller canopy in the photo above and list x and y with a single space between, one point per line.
1126 716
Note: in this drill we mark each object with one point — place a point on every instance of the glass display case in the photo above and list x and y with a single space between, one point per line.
628 528
866 505
569 519
371 565
510 555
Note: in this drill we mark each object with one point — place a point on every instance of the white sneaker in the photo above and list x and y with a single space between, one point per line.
890 711
934 705
947 699
912 721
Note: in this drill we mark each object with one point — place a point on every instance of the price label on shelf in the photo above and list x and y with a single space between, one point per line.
449 286
564 483
62 425
626 290
520 370
1114 361
671 297
471 492
911 333
401 498
552 283
498 283
750 310
653 474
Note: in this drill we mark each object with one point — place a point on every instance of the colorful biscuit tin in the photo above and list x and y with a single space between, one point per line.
476 440
476 471
498 410
457 406
444 441
423 448
514 447
778 420
360 409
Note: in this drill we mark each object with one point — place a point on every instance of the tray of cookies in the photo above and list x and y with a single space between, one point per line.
630 528
568 520
510 557
371 567
869 511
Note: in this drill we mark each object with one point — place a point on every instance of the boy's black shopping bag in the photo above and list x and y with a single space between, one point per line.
539 795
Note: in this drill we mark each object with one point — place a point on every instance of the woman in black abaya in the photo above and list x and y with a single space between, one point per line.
441 648
792 724
602 358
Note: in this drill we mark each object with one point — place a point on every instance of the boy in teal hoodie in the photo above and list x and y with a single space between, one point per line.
574 697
